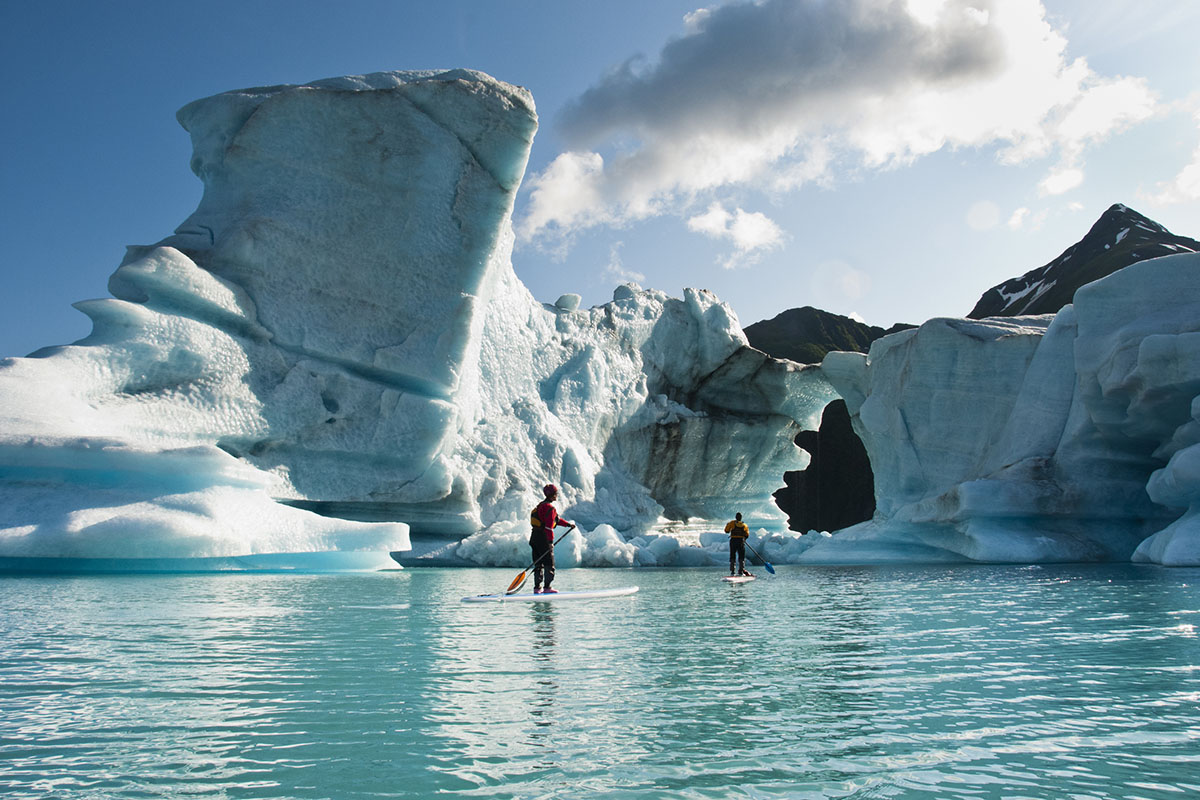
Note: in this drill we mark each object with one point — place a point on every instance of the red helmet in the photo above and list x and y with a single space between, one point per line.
549 489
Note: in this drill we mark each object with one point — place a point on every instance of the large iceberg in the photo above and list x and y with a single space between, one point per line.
332 359
1073 437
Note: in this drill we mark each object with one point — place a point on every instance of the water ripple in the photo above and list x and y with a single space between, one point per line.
829 682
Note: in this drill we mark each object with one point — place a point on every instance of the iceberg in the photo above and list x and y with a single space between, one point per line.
1072 437
331 364
332 360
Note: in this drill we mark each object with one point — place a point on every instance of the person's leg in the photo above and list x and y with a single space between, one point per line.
732 554
537 544
549 562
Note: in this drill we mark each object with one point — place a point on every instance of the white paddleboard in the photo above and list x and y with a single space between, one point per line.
550 598
738 578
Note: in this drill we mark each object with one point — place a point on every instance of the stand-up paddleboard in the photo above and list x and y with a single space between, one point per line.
738 578
593 594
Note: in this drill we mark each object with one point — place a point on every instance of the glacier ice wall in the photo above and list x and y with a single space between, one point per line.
646 407
1036 439
333 351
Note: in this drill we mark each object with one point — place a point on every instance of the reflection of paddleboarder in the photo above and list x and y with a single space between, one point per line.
541 539
738 532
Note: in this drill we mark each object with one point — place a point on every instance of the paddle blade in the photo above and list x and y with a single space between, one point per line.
516 584
770 569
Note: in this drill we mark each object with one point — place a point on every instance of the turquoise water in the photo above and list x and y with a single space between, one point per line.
971 682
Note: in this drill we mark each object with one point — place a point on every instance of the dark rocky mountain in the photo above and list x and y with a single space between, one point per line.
805 335
1119 238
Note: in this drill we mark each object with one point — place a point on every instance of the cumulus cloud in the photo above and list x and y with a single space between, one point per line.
1061 180
1025 218
1185 186
1097 113
616 270
749 232
778 94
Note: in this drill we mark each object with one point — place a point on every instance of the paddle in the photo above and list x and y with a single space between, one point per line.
519 581
766 563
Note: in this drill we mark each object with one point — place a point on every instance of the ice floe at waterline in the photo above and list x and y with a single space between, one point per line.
507 545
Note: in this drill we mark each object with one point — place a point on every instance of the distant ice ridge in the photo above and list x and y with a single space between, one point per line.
1036 439
333 352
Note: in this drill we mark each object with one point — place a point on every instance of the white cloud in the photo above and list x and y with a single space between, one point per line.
1185 186
754 231
614 270
694 21
1061 180
1097 113
925 12
1024 218
1104 109
781 93
714 222
568 193
983 215
749 232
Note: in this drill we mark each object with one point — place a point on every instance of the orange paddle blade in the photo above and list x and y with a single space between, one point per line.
516 582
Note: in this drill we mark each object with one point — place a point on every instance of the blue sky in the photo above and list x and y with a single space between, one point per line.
888 160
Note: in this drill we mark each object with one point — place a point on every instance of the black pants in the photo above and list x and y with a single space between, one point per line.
737 548
543 560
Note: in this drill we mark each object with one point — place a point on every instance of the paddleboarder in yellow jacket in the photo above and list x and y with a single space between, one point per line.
738 532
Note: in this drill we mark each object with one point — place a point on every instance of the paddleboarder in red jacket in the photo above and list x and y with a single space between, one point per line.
541 539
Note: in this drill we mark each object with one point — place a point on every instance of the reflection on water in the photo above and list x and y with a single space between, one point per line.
981 682
543 663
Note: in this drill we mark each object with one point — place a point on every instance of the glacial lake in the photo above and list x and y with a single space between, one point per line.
1065 681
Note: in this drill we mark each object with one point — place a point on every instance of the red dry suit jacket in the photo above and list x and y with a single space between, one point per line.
544 518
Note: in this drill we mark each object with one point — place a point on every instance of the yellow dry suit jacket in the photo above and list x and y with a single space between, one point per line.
737 530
